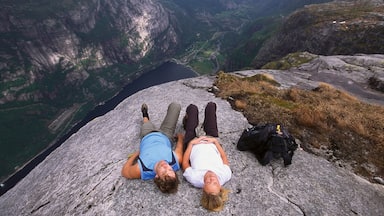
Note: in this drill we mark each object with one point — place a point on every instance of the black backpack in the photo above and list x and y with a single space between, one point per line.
268 141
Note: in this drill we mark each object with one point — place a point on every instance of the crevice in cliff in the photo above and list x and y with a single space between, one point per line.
101 171
285 199
110 192
94 187
104 168
39 207
90 205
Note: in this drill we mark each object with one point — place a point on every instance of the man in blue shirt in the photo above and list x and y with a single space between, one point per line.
156 159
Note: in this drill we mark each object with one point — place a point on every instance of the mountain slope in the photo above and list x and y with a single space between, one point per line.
336 28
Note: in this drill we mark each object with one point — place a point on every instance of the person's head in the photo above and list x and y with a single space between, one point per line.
166 178
214 195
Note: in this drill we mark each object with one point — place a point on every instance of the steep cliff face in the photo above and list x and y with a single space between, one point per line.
59 59
76 38
337 28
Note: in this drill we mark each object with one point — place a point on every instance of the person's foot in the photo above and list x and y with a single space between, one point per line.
144 110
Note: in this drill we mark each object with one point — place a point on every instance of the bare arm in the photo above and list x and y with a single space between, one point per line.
130 170
185 164
179 147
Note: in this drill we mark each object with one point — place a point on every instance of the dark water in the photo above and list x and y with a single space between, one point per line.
165 73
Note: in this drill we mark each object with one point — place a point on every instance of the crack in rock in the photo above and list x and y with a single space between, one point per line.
41 206
111 192
284 199
94 187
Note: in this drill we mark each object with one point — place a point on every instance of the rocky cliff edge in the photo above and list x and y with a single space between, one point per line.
82 177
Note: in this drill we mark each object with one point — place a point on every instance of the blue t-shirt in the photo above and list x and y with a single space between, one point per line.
155 147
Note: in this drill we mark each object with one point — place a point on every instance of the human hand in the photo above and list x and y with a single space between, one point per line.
206 140
134 154
196 140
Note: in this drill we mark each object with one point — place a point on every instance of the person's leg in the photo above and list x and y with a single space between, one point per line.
190 121
147 125
210 120
169 123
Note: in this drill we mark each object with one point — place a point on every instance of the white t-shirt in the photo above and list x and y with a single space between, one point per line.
203 158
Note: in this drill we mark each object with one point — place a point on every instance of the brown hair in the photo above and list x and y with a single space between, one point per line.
214 202
167 184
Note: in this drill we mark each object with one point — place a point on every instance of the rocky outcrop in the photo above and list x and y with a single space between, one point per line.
360 75
83 175
336 28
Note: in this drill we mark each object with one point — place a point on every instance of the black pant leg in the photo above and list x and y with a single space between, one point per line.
210 120
190 124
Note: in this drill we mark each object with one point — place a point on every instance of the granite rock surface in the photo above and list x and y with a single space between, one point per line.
82 176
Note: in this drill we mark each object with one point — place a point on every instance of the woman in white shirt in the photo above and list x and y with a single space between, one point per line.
205 163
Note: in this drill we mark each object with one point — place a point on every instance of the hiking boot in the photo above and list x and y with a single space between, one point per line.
144 110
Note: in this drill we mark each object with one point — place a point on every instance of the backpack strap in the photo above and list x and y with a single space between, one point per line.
143 166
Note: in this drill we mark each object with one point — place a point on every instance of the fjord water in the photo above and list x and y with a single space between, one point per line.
166 72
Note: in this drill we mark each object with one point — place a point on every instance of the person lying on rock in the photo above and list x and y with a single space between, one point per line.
205 163
155 159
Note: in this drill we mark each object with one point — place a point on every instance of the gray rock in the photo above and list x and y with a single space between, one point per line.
82 177
378 180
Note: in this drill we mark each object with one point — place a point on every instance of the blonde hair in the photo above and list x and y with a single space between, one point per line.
214 202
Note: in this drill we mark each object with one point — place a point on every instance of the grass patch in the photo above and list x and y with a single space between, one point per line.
322 118
203 67
289 61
